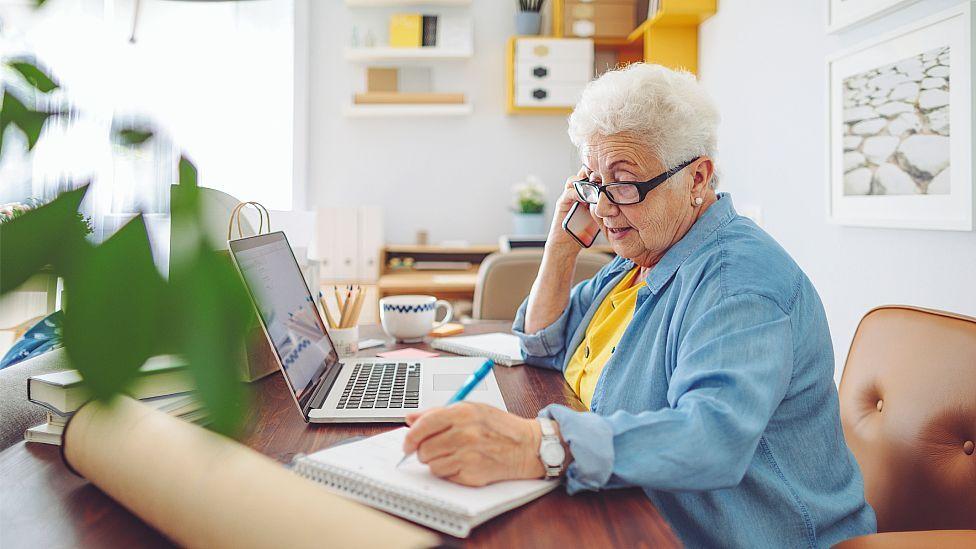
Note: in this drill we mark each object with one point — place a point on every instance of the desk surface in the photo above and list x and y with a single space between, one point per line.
43 505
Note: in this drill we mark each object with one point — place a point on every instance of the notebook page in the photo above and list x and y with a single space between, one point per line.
501 343
376 457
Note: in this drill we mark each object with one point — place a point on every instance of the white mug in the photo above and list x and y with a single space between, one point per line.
408 318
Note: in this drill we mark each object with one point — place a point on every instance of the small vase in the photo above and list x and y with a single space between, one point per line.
528 23
529 224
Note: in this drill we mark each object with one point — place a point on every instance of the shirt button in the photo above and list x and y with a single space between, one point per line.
586 352
968 447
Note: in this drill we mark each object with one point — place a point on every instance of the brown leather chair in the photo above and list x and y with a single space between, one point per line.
908 406
504 279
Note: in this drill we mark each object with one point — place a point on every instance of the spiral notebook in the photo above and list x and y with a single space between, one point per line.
502 348
366 471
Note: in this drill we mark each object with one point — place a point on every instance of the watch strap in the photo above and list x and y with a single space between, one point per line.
549 437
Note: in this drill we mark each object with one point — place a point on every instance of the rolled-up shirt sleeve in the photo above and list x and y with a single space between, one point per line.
547 347
734 365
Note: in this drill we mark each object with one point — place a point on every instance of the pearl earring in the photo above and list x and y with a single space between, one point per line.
698 201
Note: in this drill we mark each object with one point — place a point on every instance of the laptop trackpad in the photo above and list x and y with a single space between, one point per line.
453 382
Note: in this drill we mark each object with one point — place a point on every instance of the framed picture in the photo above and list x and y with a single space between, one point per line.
844 13
900 127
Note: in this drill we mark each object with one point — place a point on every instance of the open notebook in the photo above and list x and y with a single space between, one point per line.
366 471
502 348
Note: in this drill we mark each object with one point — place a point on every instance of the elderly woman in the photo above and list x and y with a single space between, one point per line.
702 350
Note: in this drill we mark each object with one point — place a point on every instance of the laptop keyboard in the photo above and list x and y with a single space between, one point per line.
391 385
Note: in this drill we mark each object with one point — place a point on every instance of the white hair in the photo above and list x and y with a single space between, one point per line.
668 109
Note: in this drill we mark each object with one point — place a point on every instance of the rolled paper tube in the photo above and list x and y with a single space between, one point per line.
201 489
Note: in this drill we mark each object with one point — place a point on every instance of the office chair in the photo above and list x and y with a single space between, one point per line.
908 407
504 280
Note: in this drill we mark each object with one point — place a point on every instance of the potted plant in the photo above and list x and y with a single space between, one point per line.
527 215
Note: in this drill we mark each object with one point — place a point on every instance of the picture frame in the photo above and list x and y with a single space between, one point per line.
900 127
842 14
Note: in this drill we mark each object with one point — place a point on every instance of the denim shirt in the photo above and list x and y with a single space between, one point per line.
722 405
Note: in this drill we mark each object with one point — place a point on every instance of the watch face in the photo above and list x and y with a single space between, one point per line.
552 454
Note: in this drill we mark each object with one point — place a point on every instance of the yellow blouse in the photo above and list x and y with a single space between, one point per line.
600 342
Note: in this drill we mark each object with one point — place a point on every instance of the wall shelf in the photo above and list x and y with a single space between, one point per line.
398 3
405 54
669 38
381 111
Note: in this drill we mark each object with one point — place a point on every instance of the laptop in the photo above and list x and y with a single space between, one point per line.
328 389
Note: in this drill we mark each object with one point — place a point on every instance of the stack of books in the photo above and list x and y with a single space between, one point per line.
163 383
413 30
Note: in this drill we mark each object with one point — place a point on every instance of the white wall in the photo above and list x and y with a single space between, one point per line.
763 62
450 176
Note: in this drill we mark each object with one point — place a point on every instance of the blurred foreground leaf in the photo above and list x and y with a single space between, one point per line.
214 314
47 235
34 75
31 122
114 320
134 136
209 299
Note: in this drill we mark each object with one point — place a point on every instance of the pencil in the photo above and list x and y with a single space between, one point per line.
338 298
359 306
325 309
346 309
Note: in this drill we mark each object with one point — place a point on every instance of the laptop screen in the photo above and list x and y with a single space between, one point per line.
287 310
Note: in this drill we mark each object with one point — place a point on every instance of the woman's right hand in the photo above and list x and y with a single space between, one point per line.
558 237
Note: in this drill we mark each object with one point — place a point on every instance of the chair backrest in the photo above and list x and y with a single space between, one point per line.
908 407
504 280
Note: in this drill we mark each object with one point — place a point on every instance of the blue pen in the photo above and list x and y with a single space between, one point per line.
473 380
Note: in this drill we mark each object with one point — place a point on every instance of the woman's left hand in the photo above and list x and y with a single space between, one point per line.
475 444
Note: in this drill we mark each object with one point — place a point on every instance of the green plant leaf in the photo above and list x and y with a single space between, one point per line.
209 299
31 122
134 136
40 237
214 315
113 323
34 75
188 173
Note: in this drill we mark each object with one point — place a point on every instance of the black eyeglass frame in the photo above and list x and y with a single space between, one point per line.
642 187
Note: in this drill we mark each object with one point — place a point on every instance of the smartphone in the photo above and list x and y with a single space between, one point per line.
580 225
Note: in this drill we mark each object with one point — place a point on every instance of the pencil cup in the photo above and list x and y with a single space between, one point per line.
345 340
528 23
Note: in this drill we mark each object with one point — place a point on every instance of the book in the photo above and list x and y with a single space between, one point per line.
45 434
429 37
63 392
503 348
183 406
405 30
366 471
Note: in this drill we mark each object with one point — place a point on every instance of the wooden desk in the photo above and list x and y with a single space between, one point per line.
43 505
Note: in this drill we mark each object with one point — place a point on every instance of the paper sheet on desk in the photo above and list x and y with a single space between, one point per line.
377 457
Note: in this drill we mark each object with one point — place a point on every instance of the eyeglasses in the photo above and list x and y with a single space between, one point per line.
624 193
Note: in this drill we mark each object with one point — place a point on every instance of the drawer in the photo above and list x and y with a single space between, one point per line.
535 50
570 72
548 95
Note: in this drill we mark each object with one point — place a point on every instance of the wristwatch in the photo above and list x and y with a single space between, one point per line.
551 451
